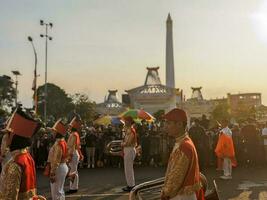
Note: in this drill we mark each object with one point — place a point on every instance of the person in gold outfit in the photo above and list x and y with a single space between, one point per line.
57 159
182 179
74 153
129 152
18 177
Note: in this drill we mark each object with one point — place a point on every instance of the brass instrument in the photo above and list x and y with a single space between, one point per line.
151 190
114 148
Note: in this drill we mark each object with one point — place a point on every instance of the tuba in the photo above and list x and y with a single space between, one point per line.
213 195
151 189
114 148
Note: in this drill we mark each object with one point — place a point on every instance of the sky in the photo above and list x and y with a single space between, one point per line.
107 44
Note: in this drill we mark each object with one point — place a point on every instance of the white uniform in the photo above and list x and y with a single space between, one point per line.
129 155
59 169
227 163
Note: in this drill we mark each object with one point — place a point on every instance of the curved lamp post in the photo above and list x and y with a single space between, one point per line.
34 84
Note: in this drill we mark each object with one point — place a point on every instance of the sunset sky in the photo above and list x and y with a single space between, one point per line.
99 45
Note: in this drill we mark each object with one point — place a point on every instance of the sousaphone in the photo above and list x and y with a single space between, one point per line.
213 195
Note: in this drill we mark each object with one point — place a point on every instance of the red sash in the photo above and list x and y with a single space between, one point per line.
28 178
135 135
78 144
63 146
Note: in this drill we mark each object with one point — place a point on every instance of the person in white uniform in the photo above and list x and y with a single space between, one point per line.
129 152
57 159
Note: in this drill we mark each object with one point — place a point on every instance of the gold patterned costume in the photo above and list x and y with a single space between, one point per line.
130 137
72 146
182 175
55 157
11 180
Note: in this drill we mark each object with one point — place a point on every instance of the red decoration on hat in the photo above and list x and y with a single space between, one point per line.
177 115
22 126
76 123
59 127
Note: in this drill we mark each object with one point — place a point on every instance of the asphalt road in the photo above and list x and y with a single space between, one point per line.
106 183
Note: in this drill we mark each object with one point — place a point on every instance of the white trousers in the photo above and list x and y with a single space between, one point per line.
129 156
74 170
57 188
227 167
185 197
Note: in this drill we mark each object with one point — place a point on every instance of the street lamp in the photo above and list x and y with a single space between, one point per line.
42 23
16 73
34 85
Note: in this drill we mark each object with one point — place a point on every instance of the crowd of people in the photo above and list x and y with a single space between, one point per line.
86 147
248 140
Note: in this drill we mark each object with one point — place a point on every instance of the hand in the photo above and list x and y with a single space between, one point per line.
81 157
70 158
52 179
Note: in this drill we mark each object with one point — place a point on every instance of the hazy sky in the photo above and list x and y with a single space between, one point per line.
99 45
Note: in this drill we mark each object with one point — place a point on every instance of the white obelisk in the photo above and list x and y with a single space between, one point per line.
170 81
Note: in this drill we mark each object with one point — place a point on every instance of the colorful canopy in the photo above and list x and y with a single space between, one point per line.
137 114
107 120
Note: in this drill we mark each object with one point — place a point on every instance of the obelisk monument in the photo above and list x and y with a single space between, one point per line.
170 80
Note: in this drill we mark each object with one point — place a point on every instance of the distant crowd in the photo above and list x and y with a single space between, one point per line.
248 140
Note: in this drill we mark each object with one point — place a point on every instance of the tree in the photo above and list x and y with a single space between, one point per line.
243 112
84 107
59 104
220 112
7 91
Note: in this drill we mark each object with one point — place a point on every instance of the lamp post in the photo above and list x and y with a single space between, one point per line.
42 23
16 73
34 85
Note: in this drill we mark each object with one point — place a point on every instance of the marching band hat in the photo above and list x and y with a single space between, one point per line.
177 115
76 122
22 124
59 127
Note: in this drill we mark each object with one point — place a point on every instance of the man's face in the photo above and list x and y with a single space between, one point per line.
173 128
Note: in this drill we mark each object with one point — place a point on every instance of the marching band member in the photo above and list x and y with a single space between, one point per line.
57 159
74 153
129 152
182 179
18 178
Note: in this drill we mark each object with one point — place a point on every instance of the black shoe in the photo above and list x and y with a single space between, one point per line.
71 191
127 188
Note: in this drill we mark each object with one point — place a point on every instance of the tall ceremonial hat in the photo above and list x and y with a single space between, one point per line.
76 122
60 127
22 124
177 115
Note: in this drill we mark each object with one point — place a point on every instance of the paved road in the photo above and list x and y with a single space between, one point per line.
106 183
